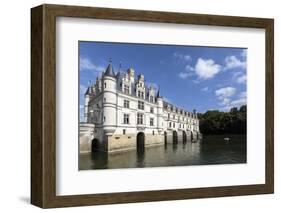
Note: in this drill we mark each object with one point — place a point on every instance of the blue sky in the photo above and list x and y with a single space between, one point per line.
192 77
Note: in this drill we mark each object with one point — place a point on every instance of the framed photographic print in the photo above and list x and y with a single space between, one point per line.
136 106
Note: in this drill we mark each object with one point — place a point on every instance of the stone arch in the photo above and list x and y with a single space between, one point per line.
140 141
175 137
95 145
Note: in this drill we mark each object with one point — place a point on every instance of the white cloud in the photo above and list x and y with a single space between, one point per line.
224 95
189 71
243 94
87 64
232 62
206 69
225 92
226 101
182 57
183 75
189 68
241 79
236 103
244 53
205 89
239 102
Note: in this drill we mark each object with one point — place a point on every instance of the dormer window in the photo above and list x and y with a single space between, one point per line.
151 98
126 89
140 94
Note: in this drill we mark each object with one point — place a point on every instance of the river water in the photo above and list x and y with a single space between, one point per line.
209 150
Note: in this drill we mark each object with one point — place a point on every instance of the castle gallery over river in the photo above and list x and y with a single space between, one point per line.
123 113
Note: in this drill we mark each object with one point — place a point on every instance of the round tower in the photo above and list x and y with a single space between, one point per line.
160 120
109 83
86 103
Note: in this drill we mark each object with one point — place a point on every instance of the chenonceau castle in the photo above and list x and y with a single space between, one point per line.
122 113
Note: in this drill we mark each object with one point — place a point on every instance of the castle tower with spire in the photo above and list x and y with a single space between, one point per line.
160 121
109 100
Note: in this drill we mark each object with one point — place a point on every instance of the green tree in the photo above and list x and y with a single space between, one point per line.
216 122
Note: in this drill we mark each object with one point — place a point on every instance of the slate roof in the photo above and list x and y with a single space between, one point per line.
109 71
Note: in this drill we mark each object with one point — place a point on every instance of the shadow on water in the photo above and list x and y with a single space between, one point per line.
175 147
209 150
141 157
99 159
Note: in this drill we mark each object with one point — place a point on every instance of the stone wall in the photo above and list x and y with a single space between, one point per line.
117 143
86 134
120 142
152 140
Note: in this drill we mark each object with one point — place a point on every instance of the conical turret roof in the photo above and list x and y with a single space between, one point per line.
109 70
158 93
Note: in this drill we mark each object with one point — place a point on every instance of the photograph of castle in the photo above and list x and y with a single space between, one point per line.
139 109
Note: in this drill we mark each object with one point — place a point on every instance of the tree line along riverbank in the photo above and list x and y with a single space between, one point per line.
215 122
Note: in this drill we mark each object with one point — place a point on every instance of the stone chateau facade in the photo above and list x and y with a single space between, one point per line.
123 113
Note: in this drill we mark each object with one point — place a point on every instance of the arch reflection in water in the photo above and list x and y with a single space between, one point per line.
210 150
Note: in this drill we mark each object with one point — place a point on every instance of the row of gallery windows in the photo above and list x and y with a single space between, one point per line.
140 105
183 126
140 119
181 118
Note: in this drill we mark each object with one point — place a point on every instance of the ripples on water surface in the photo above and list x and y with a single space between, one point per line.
209 150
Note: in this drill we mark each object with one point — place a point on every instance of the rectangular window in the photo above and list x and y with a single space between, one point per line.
126 119
151 110
126 104
140 118
170 124
140 94
151 122
126 89
140 105
174 125
124 131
